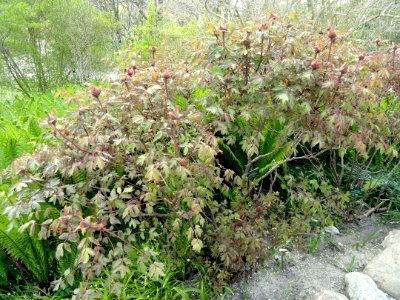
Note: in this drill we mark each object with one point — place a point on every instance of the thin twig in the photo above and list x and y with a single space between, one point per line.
278 165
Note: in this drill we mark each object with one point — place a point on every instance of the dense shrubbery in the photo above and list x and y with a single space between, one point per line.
211 162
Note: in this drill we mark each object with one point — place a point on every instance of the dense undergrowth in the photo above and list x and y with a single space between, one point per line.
187 174
19 128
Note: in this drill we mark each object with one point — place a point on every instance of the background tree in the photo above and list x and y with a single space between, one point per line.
44 43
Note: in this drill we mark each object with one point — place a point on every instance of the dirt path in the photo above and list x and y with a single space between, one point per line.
302 275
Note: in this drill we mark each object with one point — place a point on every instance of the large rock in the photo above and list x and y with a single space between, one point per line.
361 287
329 295
392 238
384 269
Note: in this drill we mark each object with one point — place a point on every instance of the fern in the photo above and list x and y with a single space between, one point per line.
76 177
3 270
9 150
271 144
19 128
32 253
234 157
32 126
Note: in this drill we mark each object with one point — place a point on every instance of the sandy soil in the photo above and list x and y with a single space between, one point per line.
303 274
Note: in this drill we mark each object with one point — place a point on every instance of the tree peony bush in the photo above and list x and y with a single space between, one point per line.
198 159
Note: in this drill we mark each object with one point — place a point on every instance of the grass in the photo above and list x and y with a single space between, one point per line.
361 244
346 267
315 241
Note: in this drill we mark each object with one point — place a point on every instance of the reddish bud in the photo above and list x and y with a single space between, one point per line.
361 57
395 47
247 41
223 28
378 42
290 25
95 91
331 33
263 26
166 75
317 50
130 72
315 64
153 49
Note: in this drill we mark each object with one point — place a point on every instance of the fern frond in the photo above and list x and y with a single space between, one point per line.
29 251
10 149
33 127
275 158
3 270
272 144
234 157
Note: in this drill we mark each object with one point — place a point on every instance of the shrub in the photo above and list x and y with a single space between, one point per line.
126 172
278 94
208 161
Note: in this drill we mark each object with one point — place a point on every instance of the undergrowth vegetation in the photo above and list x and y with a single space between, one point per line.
191 172
19 127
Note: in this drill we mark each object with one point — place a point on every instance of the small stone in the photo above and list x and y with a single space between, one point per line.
329 295
361 287
332 230
385 269
392 238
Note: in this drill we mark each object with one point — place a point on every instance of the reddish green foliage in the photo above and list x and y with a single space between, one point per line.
136 169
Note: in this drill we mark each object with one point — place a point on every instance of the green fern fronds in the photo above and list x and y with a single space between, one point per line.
10 149
76 177
234 157
32 253
275 157
33 127
273 144
3 270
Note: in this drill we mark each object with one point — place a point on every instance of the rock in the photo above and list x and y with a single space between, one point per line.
361 287
392 238
385 270
332 230
329 295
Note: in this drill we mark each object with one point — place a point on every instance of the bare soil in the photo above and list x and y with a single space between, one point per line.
301 275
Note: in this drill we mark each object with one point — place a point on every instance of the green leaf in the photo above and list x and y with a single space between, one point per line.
60 251
283 97
206 153
197 244
153 174
156 270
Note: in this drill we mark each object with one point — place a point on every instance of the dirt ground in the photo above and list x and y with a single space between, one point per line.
303 274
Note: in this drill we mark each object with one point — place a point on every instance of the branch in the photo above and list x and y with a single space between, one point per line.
310 156
380 14
213 13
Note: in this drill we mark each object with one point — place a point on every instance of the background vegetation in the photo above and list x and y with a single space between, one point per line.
230 131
